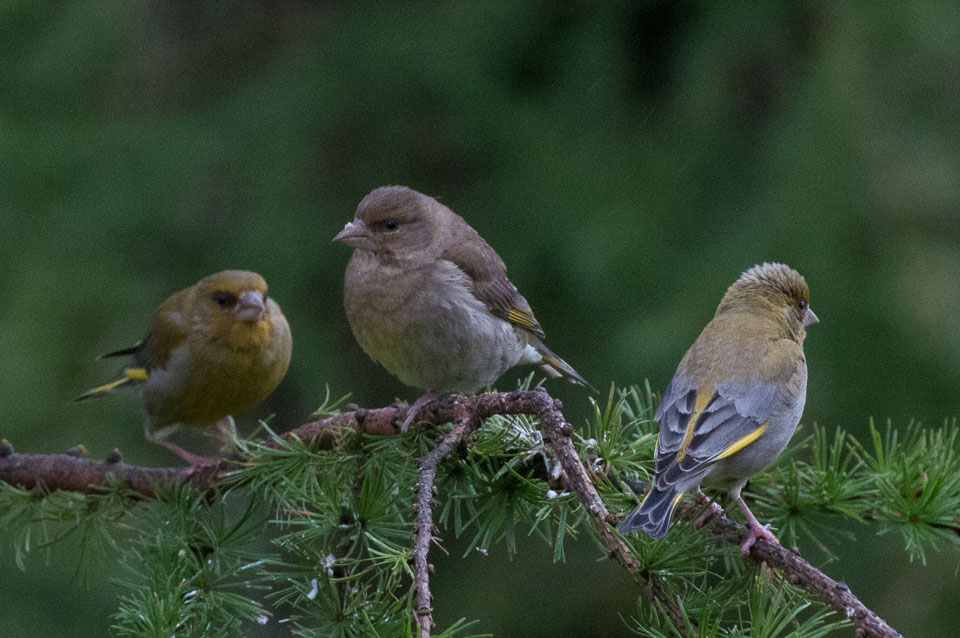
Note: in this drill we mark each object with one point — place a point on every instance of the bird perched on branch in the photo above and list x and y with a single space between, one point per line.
735 399
215 349
429 299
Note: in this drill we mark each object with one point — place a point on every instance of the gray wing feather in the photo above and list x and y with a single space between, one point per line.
735 410
751 398
674 411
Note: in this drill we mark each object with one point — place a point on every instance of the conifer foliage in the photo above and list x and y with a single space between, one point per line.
325 539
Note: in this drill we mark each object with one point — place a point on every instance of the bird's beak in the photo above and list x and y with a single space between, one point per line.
250 307
356 234
810 317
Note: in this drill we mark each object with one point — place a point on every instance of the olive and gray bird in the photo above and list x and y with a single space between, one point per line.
735 400
215 349
429 299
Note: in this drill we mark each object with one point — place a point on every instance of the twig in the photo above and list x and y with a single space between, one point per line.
72 473
797 570
558 432
424 529
75 473
800 573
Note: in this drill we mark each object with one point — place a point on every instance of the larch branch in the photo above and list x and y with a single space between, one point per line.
802 574
71 472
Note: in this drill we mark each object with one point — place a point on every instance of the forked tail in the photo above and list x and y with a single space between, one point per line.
654 514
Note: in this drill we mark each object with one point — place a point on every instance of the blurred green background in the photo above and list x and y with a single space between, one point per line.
627 159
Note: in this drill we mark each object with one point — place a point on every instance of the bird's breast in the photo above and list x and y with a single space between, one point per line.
207 378
425 326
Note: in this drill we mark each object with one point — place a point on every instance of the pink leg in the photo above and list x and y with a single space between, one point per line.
756 529
415 408
189 457
713 510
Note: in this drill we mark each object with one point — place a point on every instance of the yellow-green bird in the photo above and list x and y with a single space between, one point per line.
215 349
735 400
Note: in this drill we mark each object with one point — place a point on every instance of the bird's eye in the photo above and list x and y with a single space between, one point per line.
224 299
802 304
391 224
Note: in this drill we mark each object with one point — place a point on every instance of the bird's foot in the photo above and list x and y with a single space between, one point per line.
760 531
756 530
712 511
415 408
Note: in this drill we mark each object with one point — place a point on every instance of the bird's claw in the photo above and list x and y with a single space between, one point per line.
757 531
712 511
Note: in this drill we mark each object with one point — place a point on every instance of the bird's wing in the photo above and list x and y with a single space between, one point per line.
701 425
481 263
168 330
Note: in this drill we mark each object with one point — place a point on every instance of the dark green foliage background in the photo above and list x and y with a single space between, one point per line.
627 160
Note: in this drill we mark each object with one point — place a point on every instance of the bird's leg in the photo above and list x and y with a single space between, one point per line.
415 408
189 457
159 436
756 529
712 509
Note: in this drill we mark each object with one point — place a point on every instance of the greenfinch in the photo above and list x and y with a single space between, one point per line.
735 400
214 349
429 299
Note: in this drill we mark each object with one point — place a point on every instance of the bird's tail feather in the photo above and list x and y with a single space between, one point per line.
135 348
555 367
130 376
654 514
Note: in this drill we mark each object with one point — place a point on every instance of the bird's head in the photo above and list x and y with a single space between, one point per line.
774 289
394 221
232 296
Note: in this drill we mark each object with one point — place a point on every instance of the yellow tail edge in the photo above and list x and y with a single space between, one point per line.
130 375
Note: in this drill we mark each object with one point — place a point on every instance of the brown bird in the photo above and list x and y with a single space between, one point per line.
735 400
215 349
429 299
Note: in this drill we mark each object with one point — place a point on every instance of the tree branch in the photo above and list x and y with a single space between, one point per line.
558 432
788 560
424 529
800 573
70 472
74 473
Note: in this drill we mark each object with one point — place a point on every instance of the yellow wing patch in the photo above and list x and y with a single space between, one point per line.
135 374
521 318
703 398
743 442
